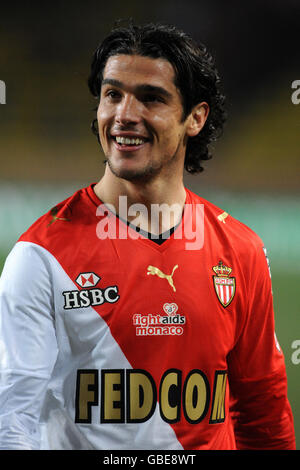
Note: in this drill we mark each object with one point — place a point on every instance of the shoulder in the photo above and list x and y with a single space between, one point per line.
238 243
61 223
27 266
220 224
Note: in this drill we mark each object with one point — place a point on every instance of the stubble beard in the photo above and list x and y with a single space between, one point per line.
146 173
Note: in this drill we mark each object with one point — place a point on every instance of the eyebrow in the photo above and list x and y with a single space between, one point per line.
142 88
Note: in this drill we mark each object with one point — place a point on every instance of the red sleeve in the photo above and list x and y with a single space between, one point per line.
257 376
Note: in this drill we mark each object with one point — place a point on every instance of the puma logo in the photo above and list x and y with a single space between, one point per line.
54 211
156 271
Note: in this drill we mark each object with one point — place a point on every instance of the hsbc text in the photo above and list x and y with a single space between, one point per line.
87 297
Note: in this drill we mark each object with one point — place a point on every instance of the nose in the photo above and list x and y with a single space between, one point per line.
128 110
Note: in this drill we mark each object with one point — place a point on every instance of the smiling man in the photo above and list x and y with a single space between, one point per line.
120 333
140 119
144 133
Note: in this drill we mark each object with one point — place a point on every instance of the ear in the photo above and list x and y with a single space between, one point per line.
197 119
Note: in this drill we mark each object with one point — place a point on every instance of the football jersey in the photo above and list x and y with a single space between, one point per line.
109 340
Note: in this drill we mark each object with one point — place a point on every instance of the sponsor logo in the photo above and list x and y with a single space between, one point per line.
170 323
132 395
224 284
87 279
157 272
54 213
87 296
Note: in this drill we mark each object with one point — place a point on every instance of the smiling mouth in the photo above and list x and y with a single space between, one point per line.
129 142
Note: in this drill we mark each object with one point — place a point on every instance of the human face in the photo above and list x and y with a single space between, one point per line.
140 102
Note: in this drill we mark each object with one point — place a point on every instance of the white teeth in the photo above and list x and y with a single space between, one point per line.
128 141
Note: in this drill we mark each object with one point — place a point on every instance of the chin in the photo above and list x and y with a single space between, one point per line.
132 174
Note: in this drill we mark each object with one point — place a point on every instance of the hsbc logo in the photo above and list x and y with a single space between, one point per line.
87 279
88 295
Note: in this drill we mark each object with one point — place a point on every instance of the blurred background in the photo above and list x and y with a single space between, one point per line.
47 150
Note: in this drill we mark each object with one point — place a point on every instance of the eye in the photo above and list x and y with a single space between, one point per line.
152 98
112 94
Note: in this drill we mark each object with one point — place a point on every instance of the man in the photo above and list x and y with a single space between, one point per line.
135 314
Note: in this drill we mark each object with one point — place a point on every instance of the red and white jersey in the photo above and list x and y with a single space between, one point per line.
117 342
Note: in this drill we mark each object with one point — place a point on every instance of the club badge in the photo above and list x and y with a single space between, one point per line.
224 284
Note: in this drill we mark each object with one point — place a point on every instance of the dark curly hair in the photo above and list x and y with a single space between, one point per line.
195 76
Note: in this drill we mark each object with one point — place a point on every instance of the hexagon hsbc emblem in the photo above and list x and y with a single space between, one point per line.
224 284
87 279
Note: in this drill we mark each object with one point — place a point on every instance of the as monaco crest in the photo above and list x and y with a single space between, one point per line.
224 284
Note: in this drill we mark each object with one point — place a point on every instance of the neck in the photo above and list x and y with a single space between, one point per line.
155 205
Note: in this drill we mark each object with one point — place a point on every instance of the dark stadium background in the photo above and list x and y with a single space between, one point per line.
47 149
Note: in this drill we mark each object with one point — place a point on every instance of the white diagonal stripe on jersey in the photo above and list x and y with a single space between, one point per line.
85 338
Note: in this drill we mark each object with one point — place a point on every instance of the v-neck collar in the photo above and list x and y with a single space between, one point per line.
141 237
